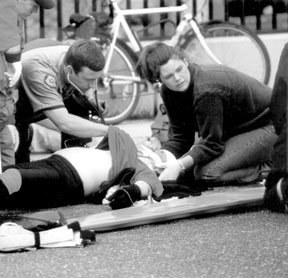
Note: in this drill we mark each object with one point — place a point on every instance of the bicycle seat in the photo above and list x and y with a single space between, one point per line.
77 19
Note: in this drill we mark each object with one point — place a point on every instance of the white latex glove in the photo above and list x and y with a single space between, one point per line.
153 144
14 72
15 136
171 170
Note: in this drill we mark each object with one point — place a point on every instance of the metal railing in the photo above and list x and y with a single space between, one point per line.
268 15
50 23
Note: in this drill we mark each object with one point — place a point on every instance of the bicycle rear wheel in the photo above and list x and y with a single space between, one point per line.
118 88
234 46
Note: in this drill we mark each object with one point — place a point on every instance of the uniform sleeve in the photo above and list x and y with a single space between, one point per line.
209 116
13 54
40 84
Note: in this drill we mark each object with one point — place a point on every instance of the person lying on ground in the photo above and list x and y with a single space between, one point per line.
73 175
228 109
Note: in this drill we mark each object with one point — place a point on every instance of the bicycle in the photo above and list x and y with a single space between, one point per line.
213 41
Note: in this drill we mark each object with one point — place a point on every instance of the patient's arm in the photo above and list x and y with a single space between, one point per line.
121 194
125 196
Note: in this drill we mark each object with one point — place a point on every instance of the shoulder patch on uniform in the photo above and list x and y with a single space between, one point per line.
50 81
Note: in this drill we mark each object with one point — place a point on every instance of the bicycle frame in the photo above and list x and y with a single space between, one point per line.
120 86
120 20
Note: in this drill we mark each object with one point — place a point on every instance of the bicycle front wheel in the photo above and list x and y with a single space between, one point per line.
233 45
119 88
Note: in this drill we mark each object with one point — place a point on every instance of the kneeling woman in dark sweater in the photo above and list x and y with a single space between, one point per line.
228 109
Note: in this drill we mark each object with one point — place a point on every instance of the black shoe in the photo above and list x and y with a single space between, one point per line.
276 196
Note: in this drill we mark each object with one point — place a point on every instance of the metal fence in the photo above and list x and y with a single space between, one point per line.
260 15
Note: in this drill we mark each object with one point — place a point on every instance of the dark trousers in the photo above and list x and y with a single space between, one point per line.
49 182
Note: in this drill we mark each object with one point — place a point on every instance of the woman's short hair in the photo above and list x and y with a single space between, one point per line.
153 57
85 53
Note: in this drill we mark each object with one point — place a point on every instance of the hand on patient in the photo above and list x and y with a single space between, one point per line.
171 170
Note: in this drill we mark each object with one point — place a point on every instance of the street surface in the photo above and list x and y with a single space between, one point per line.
247 243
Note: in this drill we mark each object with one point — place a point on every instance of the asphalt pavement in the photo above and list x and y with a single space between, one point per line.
242 243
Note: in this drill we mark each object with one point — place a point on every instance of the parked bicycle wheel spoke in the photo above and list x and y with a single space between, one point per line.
119 87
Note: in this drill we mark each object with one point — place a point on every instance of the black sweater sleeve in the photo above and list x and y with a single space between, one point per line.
209 117
180 140
181 132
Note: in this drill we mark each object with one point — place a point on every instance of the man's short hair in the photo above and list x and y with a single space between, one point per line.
85 53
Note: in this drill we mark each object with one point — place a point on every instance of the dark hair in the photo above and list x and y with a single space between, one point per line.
153 57
85 53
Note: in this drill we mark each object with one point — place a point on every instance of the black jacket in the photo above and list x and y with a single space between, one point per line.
278 107
219 104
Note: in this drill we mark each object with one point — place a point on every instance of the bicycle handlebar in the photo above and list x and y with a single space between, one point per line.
174 9
111 1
